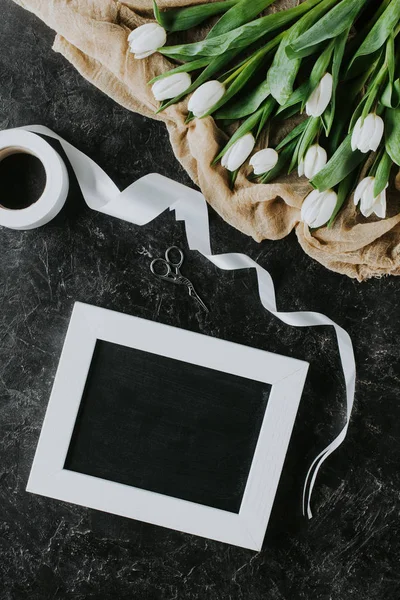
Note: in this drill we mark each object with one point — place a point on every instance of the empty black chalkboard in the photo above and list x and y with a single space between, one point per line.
167 426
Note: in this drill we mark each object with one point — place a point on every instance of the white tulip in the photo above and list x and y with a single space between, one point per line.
318 208
205 97
146 39
239 152
367 135
369 202
313 162
264 160
321 96
171 86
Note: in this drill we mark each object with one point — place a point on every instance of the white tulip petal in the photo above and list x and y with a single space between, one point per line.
205 97
355 138
367 131
264 160
309 209
141 55
300 169
318 208
376 138
239 152
225 158
171 86
367 135
380 205
319 100
146 39
369 202
367 197
360 189
314 161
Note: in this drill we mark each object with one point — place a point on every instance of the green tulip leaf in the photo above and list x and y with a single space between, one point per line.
293 135
298 97
332 24
391 96
243 12
344 191
338 54
380 32
392 133
182 19
241 37
246 104
245 72
284 70
342 163
383 174
269 107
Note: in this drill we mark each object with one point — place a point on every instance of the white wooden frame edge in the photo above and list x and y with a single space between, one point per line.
89 324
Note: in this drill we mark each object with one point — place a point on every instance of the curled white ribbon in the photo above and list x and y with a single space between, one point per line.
147 198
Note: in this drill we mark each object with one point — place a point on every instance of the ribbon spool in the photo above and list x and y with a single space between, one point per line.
49 204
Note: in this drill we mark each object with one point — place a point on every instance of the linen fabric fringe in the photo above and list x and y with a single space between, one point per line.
92 35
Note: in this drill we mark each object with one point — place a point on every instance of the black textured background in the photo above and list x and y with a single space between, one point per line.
51 550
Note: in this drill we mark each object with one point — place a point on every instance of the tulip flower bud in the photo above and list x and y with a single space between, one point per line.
313 162
369 202
368 133
264 160
205 97
171 86
320 98
318 208
239 152
146 39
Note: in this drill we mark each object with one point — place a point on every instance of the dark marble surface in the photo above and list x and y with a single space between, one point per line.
52 550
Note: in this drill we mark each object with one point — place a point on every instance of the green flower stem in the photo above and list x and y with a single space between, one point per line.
186 68
345 188
236 72
214 66
244 73
375 164
249 125
382 173
372 98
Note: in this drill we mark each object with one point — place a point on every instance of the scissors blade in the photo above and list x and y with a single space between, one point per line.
194 294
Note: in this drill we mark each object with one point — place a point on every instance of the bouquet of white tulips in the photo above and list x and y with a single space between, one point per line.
336 62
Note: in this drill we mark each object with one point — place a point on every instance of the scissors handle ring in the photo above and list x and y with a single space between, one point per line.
176 264
165 264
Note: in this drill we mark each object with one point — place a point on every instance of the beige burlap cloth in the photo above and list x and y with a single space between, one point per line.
92 35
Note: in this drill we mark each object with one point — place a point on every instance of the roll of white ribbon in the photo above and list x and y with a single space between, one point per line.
146 199
45 208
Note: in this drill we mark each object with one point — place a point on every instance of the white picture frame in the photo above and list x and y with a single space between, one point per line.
49 478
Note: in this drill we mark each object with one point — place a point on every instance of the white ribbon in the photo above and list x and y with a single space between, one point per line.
147 198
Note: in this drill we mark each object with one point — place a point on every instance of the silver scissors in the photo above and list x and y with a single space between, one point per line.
171 272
